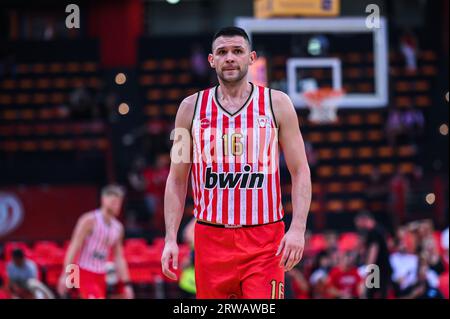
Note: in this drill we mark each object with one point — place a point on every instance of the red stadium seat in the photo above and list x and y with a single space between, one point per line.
46 245
437 239
317 243
158 242
47 250
348 241
52 274
133 242
444 285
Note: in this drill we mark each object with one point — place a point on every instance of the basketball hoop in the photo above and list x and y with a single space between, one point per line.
323 104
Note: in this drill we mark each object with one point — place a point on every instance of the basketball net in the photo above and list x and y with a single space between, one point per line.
322 104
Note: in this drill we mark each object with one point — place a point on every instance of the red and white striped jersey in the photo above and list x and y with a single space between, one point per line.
97 246
235 176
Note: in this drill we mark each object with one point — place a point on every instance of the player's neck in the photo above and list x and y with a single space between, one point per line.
107 218
236 90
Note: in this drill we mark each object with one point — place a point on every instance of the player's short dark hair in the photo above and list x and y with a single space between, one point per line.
231 32
17 253
112 189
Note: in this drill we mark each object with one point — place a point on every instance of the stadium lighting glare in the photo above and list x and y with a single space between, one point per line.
173 1
124 109
443 129
430 199
120 78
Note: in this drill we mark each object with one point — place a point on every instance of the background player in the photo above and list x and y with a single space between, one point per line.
96 235
238 224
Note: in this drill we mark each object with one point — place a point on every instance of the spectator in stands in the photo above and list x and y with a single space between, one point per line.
105 104
300 286
430 253
394 127
377 252
427 286
345 281
398 190
138 184
406 126
19 271
409 48
319 277
81 103
405 266
413 123
428 246
155 178
135 177
134 227
331 239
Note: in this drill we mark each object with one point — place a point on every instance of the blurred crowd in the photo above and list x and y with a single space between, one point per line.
367 264
413 264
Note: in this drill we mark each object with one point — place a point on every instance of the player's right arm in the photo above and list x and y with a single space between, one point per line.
177 183
84 227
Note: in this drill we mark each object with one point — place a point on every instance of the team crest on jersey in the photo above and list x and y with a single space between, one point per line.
205 123
263 121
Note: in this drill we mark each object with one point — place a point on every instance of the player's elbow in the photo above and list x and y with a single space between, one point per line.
177 180
301 172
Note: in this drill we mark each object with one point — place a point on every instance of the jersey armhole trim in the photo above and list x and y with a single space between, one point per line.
271 108
195 112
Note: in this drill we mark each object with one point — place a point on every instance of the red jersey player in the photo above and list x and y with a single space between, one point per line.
231 134
96 235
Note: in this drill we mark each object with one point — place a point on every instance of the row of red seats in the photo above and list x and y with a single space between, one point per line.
143 259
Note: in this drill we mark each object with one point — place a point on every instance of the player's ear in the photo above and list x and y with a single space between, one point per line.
211 60
253 57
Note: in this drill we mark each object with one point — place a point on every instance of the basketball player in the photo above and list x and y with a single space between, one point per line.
96 235
241 249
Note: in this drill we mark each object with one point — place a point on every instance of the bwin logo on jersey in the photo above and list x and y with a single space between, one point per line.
244 179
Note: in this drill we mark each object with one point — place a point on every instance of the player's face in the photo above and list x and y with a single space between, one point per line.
112 204
231 58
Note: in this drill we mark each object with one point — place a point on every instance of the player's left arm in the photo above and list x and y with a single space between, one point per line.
293 147
122 266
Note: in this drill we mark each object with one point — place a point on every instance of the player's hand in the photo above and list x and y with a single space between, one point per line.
292 246
62 288
170 255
